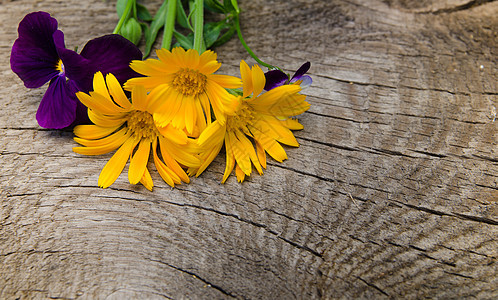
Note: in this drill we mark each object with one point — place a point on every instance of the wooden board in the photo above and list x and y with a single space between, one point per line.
392 194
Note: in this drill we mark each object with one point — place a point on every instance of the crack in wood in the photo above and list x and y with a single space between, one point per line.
302 172
372 285
491 159
437 155
435 259
265 227
457 8
457 215
336 117
283 215
460 275
341 147
205 281
486 187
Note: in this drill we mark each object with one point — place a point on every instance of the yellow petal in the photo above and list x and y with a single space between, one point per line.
230 161
98 103
164 55
102 141
173 134
204 101
261 154
270 145
138 162
178 120
226 81
292 124
116 164
291 105
148 82
153 67
139 98
201 120
99 85
166 174
175 171
209 67
169 109
178 56
158 97
207 56
102 146
249 149
246 75
146 180
258 80
208 157
212 135
240 174
179 153
274 128
275 95
190 114
192 58
240 153
91 132
106 121
117 92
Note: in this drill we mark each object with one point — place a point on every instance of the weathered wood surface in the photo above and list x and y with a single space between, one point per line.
391 194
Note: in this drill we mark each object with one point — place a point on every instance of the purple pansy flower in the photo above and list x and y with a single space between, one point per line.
276 78
39 56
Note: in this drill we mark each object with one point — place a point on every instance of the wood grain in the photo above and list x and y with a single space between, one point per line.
392 193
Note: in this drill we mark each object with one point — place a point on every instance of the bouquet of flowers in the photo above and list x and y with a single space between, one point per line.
175 105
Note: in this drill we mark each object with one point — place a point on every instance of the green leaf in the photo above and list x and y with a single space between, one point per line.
224 37
186 42
132 31
181 16
143 14
212 32
155 26
228 7
235 6
214 6
120 7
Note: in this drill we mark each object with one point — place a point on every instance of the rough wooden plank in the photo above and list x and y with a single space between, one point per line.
391 194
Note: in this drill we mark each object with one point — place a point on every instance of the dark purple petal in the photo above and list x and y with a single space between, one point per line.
275 78
34 57
76 67
81 115
58 106
301 71
58 38
108 54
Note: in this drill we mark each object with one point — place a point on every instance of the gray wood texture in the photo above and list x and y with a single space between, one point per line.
392 194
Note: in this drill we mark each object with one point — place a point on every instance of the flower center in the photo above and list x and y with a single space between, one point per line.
243 117
60 67
141 124
189 82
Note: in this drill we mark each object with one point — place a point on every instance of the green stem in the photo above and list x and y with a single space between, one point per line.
243 42
198 25
169 25
129 5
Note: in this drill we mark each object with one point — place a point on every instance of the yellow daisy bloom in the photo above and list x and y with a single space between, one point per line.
183 81
122 124
264 118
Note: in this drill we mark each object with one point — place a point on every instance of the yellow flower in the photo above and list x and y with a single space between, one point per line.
184 83
263 118
124 125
